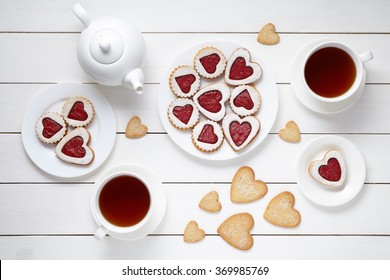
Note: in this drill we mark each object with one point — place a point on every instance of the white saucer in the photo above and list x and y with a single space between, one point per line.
307 99
355 165
157 210
267 113
102 129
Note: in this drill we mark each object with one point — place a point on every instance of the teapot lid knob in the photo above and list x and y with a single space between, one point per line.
106 46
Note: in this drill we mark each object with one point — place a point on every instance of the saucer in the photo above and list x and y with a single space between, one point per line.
157 210
355 174
310 101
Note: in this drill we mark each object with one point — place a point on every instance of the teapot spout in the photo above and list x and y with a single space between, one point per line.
83 16
135 80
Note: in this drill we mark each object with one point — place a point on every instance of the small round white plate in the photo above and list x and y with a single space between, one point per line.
267 113
307 99
157 210
102 129
355 166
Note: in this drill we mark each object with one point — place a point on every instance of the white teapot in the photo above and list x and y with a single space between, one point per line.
111 51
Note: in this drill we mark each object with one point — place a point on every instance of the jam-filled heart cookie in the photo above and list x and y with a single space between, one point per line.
240 132
209 62
78 111
211 100
245 100
330 171
184 81
207 136
50 127
183 113
74 147
240 70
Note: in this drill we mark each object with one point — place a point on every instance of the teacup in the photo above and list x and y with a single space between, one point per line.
340 59
127 203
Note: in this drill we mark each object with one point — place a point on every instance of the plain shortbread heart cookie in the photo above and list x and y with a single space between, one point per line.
192 233
291 133
267 35
210 202
135 128
235 231
280 211
245 188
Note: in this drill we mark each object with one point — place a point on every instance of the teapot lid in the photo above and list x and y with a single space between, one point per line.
106 46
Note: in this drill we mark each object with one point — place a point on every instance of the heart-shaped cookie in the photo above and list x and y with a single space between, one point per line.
245 188
211 100
209 62
280 211
50 127
184 81
291 133
245 100
207 136
78 111
210 202
330 171
267 35
183 113
240 132
135 128
192 233
235 231
74 147
240 70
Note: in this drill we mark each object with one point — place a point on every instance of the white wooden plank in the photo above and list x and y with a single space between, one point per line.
203 16
65 209
212 247
52 57
274 161
371 110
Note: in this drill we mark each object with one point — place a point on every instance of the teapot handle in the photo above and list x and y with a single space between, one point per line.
83 16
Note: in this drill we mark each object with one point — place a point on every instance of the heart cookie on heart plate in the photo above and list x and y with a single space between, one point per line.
240 70
209 62
207 136
50 127
245 100
211 100
74 147
78 111
184 81
240 132
330 171
183 113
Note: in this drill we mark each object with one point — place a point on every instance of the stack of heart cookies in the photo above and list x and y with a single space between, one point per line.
236 123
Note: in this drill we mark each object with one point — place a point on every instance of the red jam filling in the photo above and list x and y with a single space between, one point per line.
210 62
183 113
239 132
50 127
331 171
210 100
244 100
74 148
185 82
207 135
239 70
77 112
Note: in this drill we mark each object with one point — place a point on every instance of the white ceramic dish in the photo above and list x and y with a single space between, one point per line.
355 174
157 210
102 129
267 113
307 99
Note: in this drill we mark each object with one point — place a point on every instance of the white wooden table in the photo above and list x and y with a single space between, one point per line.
43 217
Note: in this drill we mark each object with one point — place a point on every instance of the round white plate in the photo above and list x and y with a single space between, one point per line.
307 99
355 168
102 129
157 210
267 113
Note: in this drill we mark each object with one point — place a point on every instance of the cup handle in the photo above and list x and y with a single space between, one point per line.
100 233
364 57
